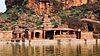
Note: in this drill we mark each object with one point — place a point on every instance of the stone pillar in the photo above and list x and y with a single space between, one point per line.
74 32
40 35
54 34
17 37
34 34
67 32
29 34
44 34
60 32
20 35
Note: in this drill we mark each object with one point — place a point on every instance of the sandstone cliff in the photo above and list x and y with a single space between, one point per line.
65 2
77 2
42 5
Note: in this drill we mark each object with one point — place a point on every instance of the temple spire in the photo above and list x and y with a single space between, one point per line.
46 22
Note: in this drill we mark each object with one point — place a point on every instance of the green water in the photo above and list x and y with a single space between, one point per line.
49 50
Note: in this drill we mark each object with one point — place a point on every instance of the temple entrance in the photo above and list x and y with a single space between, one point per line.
57 32
49 34
90 27
37 34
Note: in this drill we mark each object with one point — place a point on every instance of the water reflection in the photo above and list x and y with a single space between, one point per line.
50 50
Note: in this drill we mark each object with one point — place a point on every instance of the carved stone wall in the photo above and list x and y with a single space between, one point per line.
5 35
86 35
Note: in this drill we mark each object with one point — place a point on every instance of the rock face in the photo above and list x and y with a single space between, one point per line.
10 3
93 1
42 5
77 2
70 3
65 2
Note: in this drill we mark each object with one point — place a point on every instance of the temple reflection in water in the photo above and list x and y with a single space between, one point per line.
49 50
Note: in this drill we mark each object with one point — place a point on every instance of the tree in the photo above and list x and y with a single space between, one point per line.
38 23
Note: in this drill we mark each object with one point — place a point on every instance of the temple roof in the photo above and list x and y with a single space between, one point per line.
90 20
59 29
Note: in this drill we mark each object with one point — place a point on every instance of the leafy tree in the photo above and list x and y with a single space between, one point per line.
38 23
55 23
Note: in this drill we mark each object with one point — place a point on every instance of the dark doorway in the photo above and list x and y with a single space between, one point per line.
19 35
71 32
37 34
78 34
90 27
32 35
57 32
49 34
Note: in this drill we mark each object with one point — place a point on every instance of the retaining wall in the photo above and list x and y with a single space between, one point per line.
5 35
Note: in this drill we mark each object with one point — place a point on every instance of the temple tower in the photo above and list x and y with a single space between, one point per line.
45 10
46 22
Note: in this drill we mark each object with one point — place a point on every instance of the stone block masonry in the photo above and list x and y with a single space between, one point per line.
5 35
86 35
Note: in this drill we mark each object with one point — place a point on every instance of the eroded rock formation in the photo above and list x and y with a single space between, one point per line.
42 5
10 3
77 2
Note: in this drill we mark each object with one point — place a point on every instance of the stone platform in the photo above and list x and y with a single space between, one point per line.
47 42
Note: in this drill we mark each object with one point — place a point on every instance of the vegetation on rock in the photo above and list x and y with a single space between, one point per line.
24 17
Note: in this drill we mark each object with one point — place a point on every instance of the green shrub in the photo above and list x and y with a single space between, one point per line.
38 23
55 23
